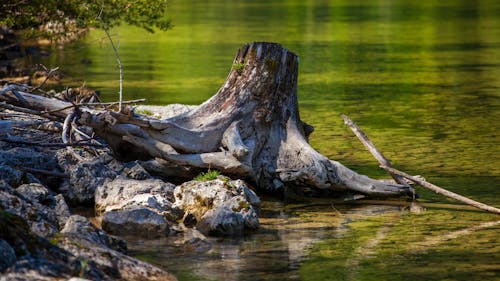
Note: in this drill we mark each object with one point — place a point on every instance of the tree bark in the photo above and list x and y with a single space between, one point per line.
250 128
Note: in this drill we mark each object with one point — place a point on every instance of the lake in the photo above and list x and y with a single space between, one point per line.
421 78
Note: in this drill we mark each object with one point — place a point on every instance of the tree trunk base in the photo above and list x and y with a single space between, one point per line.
250 129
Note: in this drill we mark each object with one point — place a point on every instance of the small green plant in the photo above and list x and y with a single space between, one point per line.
208 176
83 265
238 66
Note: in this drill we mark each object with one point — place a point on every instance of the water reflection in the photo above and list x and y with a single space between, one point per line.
422 79
288 232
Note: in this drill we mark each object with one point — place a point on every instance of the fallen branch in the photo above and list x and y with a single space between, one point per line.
375 152
28 111
443 191
50 144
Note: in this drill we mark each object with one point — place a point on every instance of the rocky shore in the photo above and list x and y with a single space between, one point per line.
43 236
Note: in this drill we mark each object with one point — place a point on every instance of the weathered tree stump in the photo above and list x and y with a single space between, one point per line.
251 128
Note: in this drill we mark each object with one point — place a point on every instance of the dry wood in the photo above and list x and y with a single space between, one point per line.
443 191
250 128
50 144
375 152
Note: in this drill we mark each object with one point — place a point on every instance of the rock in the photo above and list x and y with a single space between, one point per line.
134 170
136 207
195 241
136 221
61 209
10 175
85 178
36 192
7 255
81 226
219 207
43 219
27 157
36 258
122 193
77 253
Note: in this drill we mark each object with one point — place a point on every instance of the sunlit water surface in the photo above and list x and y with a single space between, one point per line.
422 78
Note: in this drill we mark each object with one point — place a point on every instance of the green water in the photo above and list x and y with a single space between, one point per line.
422 78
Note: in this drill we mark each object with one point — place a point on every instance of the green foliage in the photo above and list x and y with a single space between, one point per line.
209 175
59 17
238 66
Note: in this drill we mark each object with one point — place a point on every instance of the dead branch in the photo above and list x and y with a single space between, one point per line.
375 152
48 73
443 191
51 144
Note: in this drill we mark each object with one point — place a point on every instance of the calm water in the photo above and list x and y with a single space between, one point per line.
422 78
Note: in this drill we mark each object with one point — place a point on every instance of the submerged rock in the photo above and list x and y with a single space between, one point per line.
81 226
219 207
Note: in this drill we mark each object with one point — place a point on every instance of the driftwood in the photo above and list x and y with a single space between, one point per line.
401 176
443 191
375 152
251 129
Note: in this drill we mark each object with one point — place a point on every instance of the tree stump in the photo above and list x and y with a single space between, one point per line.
250 129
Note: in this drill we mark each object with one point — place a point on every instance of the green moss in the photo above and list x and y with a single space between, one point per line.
239 67
147 258
55 239
207 176
241 206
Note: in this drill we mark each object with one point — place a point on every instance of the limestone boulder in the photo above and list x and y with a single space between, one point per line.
218 207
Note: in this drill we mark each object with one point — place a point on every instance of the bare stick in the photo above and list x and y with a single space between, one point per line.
49 74
94 104
114 102
374 151
50 144
28 111
105 28
443 191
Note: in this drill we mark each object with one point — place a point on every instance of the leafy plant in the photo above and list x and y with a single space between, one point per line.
60 17
208 176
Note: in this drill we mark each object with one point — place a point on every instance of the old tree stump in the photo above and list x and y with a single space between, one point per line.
250 129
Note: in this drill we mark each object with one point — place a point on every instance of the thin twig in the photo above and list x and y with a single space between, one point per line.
114 102
94 104
50 144
75 128
105 28
443 191
49 73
